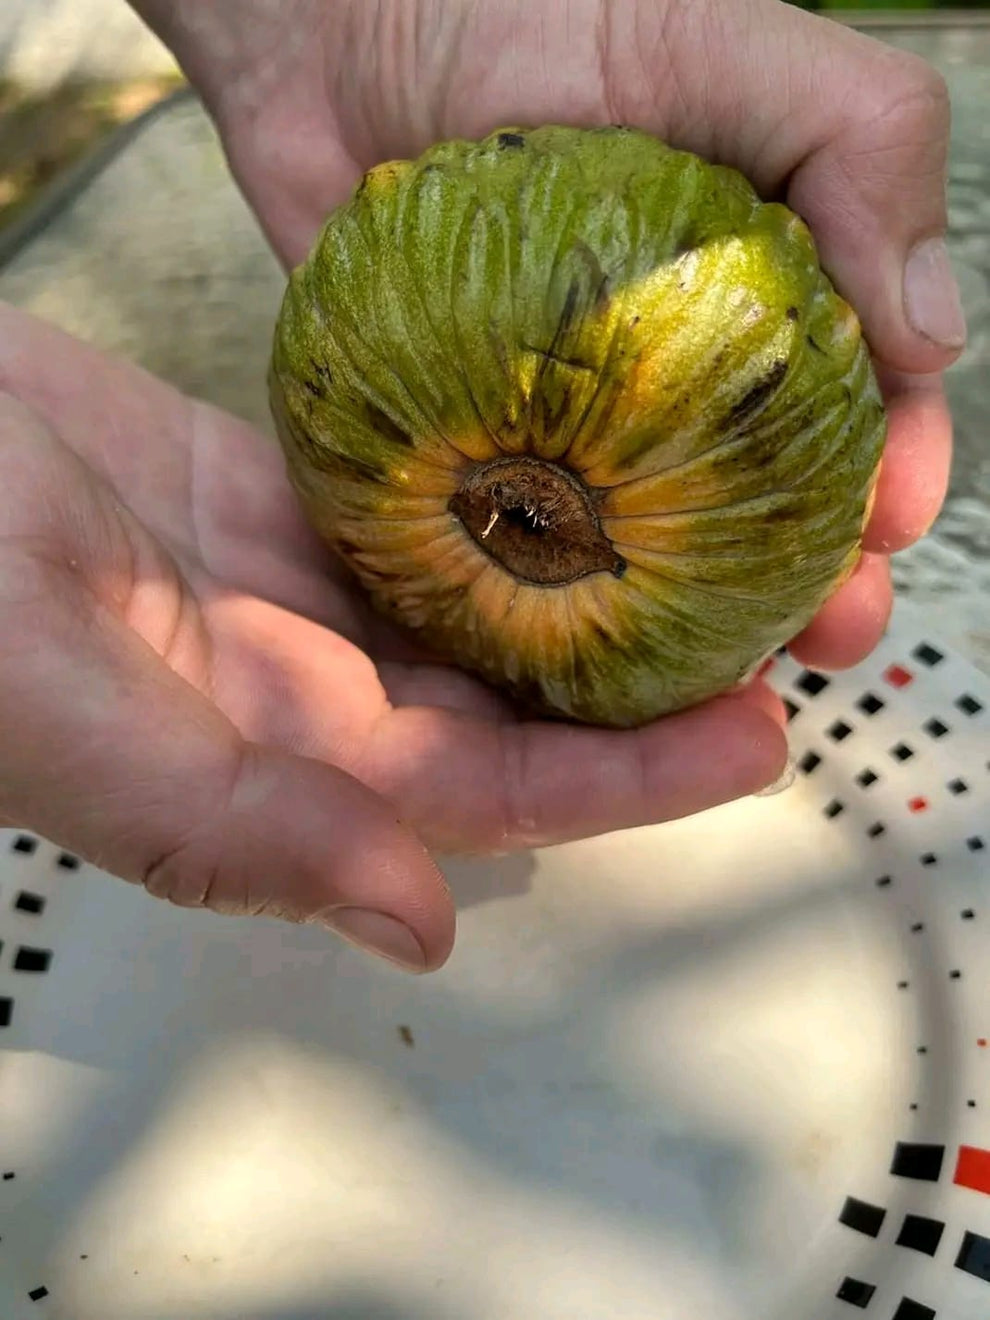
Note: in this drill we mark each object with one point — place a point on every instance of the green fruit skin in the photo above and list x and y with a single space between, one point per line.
631 313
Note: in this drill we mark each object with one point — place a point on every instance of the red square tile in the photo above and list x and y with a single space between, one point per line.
973 1169
897 676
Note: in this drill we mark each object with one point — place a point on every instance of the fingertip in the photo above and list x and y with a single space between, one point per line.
756 752
852 622
304 841
760 695
917 460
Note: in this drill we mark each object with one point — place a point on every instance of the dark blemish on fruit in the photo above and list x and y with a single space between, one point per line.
384 425
567 312
793 314
754 399
811 344
561 359
360 467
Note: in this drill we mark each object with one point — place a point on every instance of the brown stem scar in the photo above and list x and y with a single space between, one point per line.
536 519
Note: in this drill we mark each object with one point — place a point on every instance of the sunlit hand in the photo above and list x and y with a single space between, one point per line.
192 696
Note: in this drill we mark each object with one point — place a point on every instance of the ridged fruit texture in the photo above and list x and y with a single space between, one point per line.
696 404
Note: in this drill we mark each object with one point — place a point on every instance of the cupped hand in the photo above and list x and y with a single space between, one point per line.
852 133
192 697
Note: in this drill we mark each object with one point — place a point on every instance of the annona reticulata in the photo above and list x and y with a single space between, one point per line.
582 412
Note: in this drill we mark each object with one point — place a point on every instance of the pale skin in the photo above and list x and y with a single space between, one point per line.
191 695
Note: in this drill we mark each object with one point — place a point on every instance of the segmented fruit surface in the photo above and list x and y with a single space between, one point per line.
582 412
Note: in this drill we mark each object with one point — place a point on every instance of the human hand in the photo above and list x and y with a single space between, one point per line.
849 132
192 697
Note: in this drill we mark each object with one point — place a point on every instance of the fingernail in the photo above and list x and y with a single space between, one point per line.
783 781
375 932
931 295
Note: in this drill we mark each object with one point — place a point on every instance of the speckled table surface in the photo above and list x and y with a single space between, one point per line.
112 264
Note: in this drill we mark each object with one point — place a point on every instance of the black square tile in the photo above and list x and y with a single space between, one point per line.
6 1010
974 1256
24 843
862 1217
809 762
969 705
792 709
856 1293
834 808
870 703
914 1160
935 728
928 654
911 1310
867 777
957 787
928 859
876 829
839 731
32 903
32 960
975 843
812 683
901 752
921 1234
68 862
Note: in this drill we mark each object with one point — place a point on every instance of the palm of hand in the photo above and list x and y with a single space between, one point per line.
230 588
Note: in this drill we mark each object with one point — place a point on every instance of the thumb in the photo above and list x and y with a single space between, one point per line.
109 752
131 767
874 195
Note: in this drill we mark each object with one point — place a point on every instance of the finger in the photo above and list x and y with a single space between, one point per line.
761 696
854 131
850 625
532 783
443 686
114 755
916 466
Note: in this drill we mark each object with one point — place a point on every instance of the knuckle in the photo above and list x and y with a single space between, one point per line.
196 868
915 92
